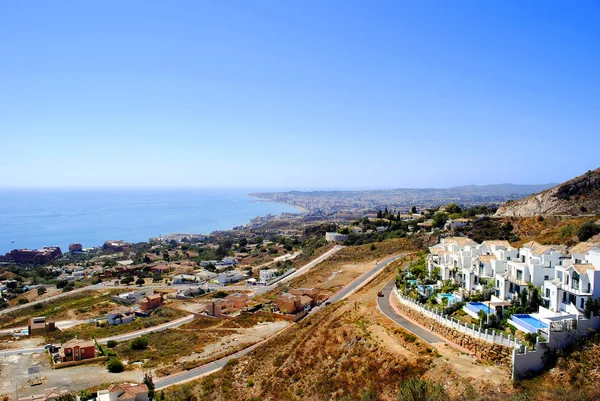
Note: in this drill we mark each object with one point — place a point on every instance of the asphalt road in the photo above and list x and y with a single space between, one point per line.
192 374
383 303
363 279
211 367
122 337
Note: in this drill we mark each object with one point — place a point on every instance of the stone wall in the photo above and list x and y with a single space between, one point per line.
495 353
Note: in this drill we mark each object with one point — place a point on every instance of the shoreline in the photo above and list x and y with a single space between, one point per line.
64 247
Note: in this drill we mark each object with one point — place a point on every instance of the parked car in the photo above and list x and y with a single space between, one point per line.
380 294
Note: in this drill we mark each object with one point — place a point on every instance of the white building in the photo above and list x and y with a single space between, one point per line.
230 277
335 237
267 275
575 281
131 297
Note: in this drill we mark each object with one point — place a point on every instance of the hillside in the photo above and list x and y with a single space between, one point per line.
579 196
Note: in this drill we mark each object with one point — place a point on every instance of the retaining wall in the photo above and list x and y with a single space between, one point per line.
497 348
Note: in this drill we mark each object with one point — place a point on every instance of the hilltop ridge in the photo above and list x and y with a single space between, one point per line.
578 196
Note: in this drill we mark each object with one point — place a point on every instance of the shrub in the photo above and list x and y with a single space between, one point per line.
114 365
417 390
219 294
140 343
111 343
588 230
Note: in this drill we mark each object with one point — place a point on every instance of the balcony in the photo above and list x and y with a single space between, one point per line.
565 287
517 281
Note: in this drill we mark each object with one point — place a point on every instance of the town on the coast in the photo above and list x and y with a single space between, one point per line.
461 286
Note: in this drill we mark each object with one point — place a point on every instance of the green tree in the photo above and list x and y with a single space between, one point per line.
439 219
139 344
140 281
150 384
41 291
114 365
413 209
127 280
453 208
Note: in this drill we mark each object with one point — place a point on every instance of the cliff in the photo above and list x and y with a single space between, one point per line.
579 196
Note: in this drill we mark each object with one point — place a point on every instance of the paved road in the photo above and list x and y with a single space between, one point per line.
175 323
122 337
193 374
211 367
363 279
383 303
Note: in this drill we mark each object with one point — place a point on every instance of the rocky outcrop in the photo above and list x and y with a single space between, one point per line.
579 196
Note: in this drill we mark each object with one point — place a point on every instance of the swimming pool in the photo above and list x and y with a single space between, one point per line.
449 297
527 323
480 306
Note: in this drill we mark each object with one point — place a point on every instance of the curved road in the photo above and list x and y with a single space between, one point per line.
169 325
384 305
192 374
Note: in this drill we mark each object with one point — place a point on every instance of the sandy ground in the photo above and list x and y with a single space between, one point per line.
329 281
21 342
245 337
76 378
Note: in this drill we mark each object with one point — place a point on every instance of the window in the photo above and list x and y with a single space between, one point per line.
546 278
564 299
520 275
547 292
581 303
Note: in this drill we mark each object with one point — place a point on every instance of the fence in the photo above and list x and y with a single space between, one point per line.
490 336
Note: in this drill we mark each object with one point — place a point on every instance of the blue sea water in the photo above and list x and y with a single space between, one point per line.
35 218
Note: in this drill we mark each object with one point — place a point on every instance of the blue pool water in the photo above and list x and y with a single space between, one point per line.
532 321
528 322
481 306
451 298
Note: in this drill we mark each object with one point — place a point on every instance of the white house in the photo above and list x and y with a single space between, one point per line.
574 282
267 275
185 279
230 277
335 237
131 297
120 315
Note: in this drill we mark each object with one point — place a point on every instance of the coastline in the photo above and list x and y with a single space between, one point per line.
135 219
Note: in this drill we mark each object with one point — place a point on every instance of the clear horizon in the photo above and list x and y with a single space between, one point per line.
305 95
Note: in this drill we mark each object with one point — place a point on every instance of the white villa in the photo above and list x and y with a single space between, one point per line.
565 278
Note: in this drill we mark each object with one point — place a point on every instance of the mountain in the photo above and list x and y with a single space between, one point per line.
579 196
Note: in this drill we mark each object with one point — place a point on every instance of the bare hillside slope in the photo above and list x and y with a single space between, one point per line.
579 196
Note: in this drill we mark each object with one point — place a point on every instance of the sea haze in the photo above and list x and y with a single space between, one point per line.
35 218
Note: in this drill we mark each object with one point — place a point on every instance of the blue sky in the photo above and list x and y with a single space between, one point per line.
298 94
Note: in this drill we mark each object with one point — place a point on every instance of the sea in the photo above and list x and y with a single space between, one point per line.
57 217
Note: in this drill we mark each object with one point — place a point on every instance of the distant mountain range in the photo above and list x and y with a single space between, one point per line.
483 190
403 197
579 196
